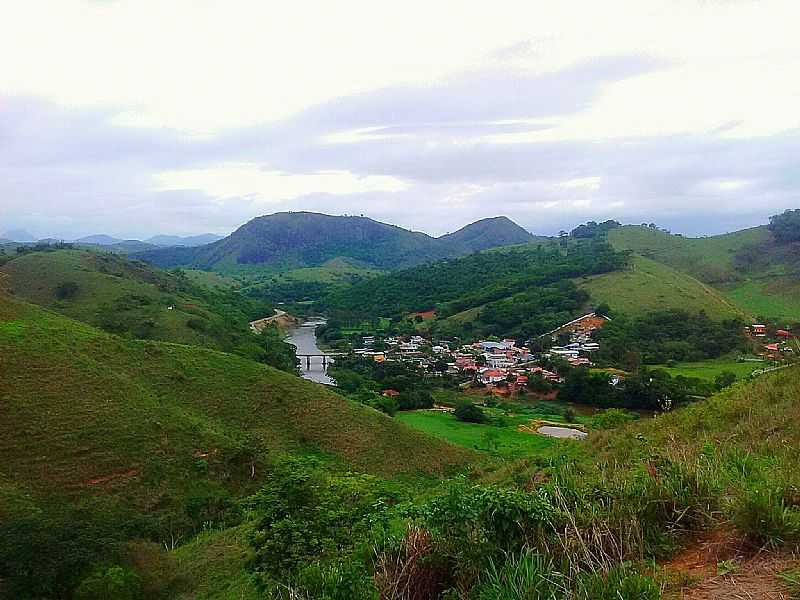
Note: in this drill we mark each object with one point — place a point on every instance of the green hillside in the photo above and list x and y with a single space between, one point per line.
522 291
133 299
709 259
749 268
646 285
121 436
285 241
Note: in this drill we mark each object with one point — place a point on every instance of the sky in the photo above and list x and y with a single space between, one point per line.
185 117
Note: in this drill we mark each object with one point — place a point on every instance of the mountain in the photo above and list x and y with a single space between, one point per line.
18 235
99 240
485 234
303 239
176 240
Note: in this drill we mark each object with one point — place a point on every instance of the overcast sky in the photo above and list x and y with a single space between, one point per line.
136 118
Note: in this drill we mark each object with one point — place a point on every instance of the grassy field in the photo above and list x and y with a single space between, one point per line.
499 440
709 259
709 369
210 279
775 298
648 285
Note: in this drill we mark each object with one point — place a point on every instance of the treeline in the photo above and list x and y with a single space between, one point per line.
646 389
668 335
363 380
452 286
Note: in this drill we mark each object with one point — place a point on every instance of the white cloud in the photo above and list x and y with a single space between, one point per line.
244 180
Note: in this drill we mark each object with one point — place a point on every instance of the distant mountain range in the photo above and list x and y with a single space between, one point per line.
17 235
304 239
158 241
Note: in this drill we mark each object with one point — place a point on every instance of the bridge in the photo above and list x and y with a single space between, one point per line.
324 358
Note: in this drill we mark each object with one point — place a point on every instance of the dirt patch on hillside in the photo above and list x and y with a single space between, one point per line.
113 477
722 566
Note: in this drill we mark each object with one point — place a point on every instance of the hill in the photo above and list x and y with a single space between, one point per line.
105 439
521 291
99 240
646 285
285 241
133 299
485 234
752 270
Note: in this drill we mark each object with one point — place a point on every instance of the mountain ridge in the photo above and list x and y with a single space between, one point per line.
302 239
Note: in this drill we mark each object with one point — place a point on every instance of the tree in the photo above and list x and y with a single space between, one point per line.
724 379
469 412
786 227
277 352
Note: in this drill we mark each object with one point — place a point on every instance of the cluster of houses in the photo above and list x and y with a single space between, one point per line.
776 344
490 363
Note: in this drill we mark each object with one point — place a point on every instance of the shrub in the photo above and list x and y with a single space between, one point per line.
110 583
764 515
66 290
469 412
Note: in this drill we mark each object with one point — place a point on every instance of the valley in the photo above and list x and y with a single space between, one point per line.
158 427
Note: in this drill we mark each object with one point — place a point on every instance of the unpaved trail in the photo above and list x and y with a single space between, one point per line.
753 574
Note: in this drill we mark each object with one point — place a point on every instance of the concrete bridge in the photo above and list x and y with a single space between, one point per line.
324 358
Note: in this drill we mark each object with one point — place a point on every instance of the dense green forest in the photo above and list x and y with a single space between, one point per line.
668 335
521 290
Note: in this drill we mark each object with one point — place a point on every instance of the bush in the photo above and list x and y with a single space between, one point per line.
110 583
469 412
66 290
766 517
612 418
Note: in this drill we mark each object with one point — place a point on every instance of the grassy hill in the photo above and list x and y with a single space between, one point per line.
103 437
709 259
132 299
751 270
285 241
647 285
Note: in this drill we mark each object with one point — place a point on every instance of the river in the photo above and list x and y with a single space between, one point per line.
305 340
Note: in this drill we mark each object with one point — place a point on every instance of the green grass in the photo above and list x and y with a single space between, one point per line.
770 287
210 279
510 443
709 259
648 285
85 405
776 298
214 564
709 369
124 297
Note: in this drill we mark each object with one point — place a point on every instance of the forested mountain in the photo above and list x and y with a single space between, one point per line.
303 239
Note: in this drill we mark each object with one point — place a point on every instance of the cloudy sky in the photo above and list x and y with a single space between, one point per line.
136 118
